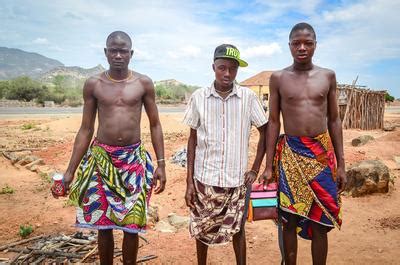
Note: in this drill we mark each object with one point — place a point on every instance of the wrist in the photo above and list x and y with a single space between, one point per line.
160 162
254 171
189 181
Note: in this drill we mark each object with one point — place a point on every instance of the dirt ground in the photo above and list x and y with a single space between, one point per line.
371 225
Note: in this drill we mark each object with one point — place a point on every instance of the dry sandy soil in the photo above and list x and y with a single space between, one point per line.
371 225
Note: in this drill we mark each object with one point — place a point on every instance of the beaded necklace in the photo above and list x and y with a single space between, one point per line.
224 92
130 74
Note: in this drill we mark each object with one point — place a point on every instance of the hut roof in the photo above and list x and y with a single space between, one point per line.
260 79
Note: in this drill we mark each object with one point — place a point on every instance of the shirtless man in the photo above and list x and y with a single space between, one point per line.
115 176
308 174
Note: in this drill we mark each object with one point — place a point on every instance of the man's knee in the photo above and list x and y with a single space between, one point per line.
291 223
105 232
319 229
130 235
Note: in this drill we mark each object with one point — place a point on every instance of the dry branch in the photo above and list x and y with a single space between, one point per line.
20 242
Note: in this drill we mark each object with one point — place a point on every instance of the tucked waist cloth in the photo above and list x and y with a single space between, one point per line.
113 187
306 171
218 213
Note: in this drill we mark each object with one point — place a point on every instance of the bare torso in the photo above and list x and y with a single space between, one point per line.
119 107
304 100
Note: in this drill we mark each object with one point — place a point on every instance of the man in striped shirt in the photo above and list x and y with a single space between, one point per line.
220 118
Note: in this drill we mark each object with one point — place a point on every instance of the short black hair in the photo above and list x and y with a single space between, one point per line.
119 35
301 26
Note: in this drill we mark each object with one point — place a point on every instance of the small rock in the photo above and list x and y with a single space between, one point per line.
380 250
367 177
16 156
397 160
389 128
361 140
178 221
27 160
165 227
152 214
34 163
33 168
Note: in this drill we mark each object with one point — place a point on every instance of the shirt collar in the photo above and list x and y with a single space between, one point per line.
235 91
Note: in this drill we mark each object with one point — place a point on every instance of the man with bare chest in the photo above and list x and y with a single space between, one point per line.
115 177
308 160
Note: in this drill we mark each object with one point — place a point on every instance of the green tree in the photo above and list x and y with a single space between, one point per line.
4 86
388 97
24 89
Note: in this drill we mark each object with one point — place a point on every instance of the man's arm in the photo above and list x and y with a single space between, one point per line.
251 175
157 140
191 148
273 126
336 133
85 133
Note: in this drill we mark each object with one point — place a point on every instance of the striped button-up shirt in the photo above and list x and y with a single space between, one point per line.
223 131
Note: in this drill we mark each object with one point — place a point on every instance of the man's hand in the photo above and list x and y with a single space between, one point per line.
249 177
341 179
159 179
266 176
67 182
189 196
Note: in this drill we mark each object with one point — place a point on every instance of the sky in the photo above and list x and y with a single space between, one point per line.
176 39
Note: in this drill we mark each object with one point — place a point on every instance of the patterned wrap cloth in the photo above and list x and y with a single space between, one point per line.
218 213
306 171
113 187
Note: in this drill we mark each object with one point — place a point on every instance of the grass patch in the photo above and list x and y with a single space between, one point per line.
25 230
28 126
7 190
46 177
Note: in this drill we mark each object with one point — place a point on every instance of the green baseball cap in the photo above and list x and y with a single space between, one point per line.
229 51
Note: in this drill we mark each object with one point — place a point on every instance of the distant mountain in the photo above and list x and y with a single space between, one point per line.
71 72
16 62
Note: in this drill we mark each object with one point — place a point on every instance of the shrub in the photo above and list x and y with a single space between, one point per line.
25 230
388 98
24 89
7 190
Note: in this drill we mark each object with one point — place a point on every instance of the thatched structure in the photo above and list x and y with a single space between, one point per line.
361 108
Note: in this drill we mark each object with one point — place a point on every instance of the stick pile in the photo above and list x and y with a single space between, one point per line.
59 249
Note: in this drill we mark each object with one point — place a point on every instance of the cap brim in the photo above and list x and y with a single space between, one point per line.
240 61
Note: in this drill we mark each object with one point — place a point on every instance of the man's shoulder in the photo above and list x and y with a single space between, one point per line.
142 78
246 91
94 80
325 71
200 92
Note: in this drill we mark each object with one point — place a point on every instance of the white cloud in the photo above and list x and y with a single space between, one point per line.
263 51
186 52
362 33
40 41
142 55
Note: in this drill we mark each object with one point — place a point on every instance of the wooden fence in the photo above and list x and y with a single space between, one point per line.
361 108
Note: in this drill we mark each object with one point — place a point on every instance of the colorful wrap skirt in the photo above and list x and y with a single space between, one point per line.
113 188
306 171
218 213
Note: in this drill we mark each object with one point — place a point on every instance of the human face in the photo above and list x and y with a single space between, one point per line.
302 46
118 53
225 72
